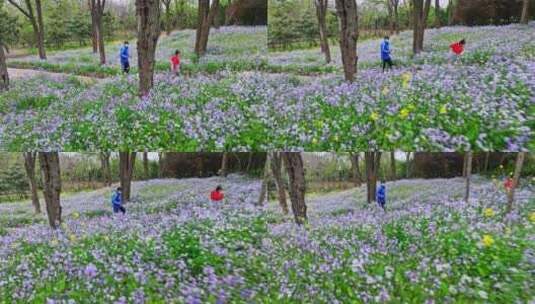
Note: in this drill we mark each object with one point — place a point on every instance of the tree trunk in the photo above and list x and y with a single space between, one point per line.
486 166
50 172
392 166
249 162
161 156
407 164
296 176
224 164
105 167
396 16
348 20
126 169
450 12
148 25
101 47
276 168
518 169
167 6
4 76
94 30
468 169
206 15
29 164
357 178
525 12
146 165
41 31
321 13
264 192
437 13
420 14
373 161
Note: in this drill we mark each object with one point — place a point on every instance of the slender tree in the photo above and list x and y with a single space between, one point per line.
468 172
29 165
206 15
437 14
407 164
392 165
276 168
393 14
126 169
321 14
349 34
146 165
4 75
420 13
357 178
97 21
486 165
525 12
224 165
161 157
451 8
35 16
296 175
105 167
516 176
148 32
51 176
168 21
373 162
264 192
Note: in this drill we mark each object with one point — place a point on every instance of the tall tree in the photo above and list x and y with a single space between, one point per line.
468 172
296 175
146 165
51 175
393 14
321 13
451 8
126 169
29 165
407 164
224 164
437 13
161 157
355 170
205 15
349 34
105 167
4 75
168 21
264 191
276 169
420 13
525 12
148 32
97 13
392 165
373 162
36 20
9 33
516 176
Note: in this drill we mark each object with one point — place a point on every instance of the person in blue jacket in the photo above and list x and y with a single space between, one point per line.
381 195
124 54
116 201
385 53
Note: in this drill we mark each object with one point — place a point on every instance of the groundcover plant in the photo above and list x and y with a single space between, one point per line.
173 245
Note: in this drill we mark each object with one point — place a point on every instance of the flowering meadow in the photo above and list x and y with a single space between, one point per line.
485 101
173 245
237 47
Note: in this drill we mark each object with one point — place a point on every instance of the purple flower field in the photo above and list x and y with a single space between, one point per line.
173 245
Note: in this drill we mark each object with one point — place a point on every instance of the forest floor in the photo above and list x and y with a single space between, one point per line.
29 73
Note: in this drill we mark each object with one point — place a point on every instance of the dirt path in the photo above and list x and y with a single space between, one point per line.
28 73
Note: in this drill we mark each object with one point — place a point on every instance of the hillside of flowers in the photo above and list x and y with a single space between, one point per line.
238 47
486 101
173 245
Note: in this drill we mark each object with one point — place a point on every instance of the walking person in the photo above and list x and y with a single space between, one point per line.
381 195
386 53
124 55
116 201
175 63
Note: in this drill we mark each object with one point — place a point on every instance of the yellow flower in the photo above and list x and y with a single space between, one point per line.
315 141
336 138
489 212
374 116
532 217
72 237
386 90
54 243
404 113
443 109
76 215
487 240
406 78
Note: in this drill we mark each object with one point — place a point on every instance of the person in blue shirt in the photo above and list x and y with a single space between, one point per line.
116 201
124 54
381 195
385 53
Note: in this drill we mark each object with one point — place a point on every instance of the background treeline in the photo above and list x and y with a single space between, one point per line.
323 171
293 24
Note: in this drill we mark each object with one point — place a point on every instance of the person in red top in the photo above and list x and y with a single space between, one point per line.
175 63
217 195
508 184
458 47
